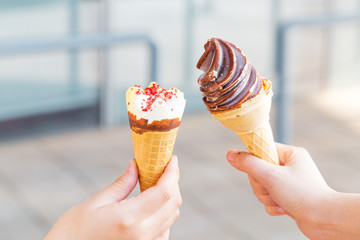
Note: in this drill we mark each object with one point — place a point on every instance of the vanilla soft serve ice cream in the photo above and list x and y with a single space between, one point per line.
154 103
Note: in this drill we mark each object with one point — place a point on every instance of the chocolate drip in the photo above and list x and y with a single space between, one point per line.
141 125
228 79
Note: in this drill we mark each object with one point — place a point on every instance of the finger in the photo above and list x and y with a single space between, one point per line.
290 215
171 173
164 217
121 188
155 197
287 154
275 210
266 200
164 236
257 187
167 223
156 224
260 170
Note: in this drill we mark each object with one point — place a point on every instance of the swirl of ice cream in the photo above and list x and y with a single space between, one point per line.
155 108
228 79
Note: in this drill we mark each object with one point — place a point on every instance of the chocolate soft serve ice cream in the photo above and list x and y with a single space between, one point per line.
237 96
228 79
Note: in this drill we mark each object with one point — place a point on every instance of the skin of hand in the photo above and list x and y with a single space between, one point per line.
111 215
295 188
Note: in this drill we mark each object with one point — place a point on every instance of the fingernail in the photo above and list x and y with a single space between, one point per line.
130 165
232 155
175 158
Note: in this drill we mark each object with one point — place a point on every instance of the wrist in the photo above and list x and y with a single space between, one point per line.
324 221
336 216
315 219
63 228
344 216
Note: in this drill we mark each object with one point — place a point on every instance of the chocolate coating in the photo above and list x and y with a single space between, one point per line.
228 79
141 125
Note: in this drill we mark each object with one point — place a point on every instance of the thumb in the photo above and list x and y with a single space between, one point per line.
259 169
121 188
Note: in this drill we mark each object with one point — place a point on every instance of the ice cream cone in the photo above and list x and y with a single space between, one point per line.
154 116
250 122
237 96
260 143
153 150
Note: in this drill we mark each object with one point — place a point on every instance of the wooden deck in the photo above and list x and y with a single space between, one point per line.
43 177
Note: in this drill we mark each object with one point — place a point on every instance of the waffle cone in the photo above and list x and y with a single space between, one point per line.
250 122
153 150
260 143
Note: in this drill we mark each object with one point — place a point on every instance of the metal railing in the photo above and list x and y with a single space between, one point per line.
82 42
284 98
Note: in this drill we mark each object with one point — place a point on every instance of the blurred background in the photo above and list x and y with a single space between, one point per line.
65 66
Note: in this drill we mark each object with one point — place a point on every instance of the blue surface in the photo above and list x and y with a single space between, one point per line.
19 4
20 98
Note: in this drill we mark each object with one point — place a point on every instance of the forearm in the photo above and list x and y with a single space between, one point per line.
339 218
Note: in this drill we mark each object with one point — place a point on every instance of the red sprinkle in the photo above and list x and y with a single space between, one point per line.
153 93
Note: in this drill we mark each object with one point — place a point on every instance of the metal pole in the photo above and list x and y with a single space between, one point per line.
358 12
66 43
189 33
106 86
275 19
153 62
284 113
325 48
73 53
